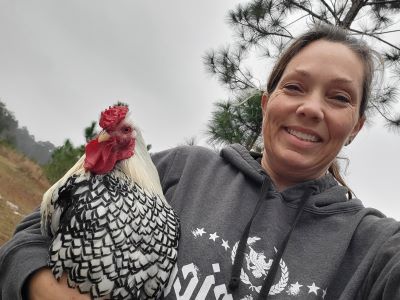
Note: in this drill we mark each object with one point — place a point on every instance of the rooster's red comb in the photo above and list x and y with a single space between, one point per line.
111 117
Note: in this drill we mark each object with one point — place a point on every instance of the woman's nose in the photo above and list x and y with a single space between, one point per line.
311 107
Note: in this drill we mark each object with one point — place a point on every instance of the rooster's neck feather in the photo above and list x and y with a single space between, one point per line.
139 168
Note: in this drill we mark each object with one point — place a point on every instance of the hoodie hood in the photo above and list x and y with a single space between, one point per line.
327 196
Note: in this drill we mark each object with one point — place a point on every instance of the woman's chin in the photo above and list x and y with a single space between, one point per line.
305 166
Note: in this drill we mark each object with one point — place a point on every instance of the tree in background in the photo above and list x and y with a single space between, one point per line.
237 121
91 132
8 124
65 156
20 138
266 26
62 159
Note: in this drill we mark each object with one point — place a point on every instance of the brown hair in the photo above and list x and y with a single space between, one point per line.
338 35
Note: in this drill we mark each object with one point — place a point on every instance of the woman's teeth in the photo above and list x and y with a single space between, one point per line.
303 136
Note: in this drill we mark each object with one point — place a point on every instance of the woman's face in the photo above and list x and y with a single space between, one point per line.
312 112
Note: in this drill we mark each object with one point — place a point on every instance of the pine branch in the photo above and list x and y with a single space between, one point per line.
254 140
243 122
225 68
375 37
334 6
249 83
352 13
383 32
382 2
298 19
310 12
250 21
261 31
342 9
330 10
383 113
284 27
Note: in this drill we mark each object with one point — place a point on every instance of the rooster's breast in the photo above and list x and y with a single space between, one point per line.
115 239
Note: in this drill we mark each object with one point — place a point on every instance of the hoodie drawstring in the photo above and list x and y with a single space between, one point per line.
240 253
282 247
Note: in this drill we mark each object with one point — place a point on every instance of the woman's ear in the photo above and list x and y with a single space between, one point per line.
356 129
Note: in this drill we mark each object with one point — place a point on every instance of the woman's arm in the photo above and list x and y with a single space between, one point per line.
22 255
43 286
383 280
23 261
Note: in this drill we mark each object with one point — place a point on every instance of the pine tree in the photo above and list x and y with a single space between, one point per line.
65 156
90 131
62 159
237 121
8 124
266 26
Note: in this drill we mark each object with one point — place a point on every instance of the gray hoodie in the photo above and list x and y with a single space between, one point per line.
334 249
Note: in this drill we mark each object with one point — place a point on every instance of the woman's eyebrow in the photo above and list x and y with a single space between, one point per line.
305 73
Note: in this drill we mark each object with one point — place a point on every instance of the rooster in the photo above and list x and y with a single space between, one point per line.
113 233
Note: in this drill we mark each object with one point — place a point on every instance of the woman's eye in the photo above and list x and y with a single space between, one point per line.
292 87
342 98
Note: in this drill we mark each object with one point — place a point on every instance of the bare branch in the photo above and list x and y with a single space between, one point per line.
298 19
382 113
341 10
330 10
333 5
248 81
383 32
262 32
313 14
375 37
352 13
284 27
382 2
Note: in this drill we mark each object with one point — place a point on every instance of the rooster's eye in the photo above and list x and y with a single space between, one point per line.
126 129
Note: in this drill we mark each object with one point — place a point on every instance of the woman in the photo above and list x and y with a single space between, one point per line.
276 227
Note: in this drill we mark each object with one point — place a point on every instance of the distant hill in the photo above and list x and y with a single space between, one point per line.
22 184
22 139
26 143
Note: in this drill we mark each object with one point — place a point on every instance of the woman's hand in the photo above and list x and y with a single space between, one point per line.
42 285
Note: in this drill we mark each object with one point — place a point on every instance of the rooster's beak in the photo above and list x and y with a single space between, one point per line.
103 136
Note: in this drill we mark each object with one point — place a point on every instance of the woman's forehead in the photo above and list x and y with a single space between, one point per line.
327 58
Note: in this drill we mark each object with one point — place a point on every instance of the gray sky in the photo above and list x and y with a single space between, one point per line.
62 62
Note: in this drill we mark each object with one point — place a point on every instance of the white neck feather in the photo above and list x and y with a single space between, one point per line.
141 169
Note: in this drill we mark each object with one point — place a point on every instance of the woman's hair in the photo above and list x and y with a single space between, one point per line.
337 35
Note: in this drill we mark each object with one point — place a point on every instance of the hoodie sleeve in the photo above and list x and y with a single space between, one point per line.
23 254
383 280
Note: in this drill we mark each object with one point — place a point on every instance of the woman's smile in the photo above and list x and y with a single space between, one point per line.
304 135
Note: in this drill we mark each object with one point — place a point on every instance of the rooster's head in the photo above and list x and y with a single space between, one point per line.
116 142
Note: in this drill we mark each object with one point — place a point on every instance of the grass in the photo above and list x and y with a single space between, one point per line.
22 184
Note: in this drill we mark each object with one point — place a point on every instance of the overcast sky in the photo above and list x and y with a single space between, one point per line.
62 62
